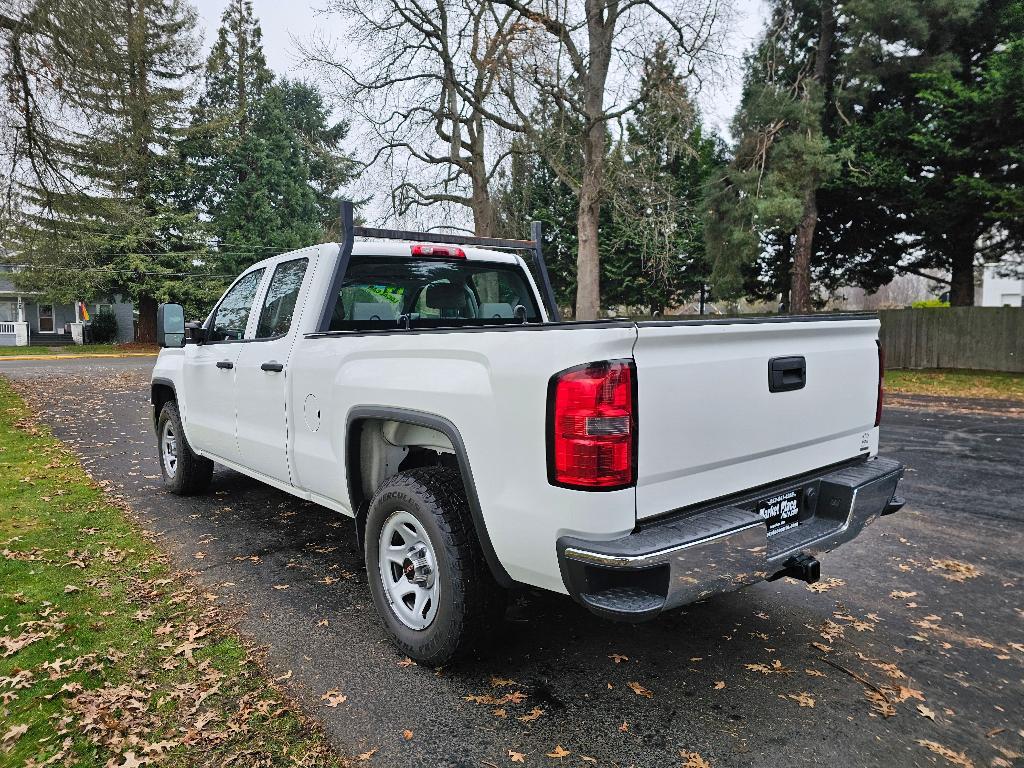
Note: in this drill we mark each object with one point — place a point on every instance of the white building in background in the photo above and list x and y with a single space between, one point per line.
1002 285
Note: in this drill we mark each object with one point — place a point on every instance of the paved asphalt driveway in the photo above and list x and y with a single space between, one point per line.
947 653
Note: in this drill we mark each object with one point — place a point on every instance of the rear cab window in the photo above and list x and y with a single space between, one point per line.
382 292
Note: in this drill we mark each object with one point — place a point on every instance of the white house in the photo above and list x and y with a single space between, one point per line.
28 318
1002 285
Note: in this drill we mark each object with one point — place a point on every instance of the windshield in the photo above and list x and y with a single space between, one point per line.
387 291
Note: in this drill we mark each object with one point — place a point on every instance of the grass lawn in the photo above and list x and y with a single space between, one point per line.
107 658
948 383
73 349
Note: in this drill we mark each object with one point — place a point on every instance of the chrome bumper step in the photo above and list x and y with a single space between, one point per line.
679 561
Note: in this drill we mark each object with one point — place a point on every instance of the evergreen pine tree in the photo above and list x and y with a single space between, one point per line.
113 228
263 163
657 258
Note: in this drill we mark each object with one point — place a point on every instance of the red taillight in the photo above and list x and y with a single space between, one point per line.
438 251
591 427
881 384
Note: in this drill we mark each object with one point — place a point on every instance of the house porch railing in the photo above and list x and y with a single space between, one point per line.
7 328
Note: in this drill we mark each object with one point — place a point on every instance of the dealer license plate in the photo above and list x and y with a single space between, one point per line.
780 512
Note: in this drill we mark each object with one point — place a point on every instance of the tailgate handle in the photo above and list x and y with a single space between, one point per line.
786 374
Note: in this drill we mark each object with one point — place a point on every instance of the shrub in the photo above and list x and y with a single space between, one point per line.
929 303
104 327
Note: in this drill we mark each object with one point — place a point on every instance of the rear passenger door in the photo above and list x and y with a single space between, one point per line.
261 385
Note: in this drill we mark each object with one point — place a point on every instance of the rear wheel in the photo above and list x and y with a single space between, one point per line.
430 584
184 472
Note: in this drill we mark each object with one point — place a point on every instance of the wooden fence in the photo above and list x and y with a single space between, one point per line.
981 338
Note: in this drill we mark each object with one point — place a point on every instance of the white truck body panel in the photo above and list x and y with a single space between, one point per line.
707 424
710 427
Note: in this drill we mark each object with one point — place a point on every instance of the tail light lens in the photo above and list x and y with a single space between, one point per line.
881 383
592 426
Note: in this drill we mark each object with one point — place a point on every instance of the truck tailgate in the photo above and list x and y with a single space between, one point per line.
708 424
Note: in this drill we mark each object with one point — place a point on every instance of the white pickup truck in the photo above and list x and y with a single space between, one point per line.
424 386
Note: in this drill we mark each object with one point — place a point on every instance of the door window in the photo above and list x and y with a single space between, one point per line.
279 304
46 318
232 313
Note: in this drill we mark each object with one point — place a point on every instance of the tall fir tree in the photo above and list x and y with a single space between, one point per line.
263 161
112 228
658 174
762 210
906 136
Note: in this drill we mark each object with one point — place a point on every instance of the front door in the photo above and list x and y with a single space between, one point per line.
262 374
45 318
209 372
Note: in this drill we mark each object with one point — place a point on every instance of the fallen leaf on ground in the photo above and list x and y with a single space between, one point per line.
281 586
904 692
367 754
803 699
502 682
814 672
954 570
826 585
879 703
618 658
407 734
558 752
926 712
693 760
333 698
955 758
516 757
777 667
12 736
639 690
720 685
532 715
499 712
897 594
407 662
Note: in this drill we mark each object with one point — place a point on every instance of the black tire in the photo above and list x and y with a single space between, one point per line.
470 603
192 473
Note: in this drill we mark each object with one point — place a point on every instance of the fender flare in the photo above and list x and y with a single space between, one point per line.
160 381
446 427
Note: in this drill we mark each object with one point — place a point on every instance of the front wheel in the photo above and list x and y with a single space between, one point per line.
429 582
184 472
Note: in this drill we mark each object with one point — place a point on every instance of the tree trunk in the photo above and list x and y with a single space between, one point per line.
800 292
147 320
800 285
485 220
961 283
588 258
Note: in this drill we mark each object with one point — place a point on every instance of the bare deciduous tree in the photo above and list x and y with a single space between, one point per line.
583 60
418 71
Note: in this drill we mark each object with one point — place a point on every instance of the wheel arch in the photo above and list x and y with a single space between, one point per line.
161 391
359 499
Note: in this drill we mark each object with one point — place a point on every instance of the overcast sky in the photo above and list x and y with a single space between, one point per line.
282 21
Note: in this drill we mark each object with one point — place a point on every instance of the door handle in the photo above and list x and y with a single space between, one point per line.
786 374
272 367
226 364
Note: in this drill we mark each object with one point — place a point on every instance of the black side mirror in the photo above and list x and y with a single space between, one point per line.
170 325
194 332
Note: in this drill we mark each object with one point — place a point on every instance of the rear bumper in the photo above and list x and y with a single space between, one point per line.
685 558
